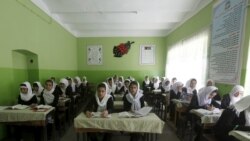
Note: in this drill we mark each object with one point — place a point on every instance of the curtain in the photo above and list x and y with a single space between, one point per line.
188 59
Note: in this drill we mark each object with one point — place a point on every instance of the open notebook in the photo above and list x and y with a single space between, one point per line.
19 107
207 112
140 113
98 115
43 107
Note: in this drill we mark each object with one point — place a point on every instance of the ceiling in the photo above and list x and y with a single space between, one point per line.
119 18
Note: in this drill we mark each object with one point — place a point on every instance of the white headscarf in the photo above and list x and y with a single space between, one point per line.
102 105
66 83
176 85
244 105
40 88
203 95
29 95
157 83
164 86
79 82
189 89
233 99
135 101
113 87
48 96
84 80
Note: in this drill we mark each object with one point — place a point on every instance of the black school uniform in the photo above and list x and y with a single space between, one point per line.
33 100
225 102
227 122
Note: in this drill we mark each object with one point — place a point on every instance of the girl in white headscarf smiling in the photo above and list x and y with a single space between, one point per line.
235 95
204 99
234 117
26 96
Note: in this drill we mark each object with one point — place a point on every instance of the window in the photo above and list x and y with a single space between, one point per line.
188 59
247 80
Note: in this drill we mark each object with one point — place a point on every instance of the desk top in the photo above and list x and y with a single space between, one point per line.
148 124
206 116
240 135
9 115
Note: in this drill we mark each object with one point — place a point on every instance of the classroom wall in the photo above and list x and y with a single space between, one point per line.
25 27
200 21
127 65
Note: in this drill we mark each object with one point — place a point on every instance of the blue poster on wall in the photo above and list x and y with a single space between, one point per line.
226 41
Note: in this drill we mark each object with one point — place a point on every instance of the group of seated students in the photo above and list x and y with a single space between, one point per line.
102 102
155 83
50 93
236 113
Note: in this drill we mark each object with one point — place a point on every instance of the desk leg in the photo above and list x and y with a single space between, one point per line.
45 133
77 136
84 137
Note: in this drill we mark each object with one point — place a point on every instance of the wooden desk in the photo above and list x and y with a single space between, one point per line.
27 117
240 135
207 118
180 107
149 124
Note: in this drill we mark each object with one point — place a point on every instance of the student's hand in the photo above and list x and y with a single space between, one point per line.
88 114
105 113
33 105
210 108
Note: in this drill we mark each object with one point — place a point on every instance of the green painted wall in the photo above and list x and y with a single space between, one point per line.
127 65
202 20
26 27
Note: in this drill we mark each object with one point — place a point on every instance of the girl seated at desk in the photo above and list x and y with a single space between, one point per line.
120 86
204 99
78 86
175 93
37 90
146 83
235 95
49 95
133 101
235 117
26 96
165 87
65 88
191 86
111 86
102 102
